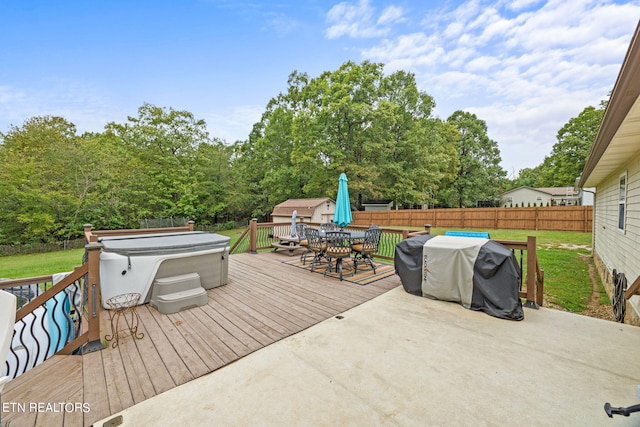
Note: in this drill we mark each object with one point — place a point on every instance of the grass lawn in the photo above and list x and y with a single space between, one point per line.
564 257
32 265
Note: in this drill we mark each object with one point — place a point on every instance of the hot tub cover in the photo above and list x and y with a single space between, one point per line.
163 243
478 273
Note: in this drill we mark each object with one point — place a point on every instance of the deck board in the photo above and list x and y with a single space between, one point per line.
95 387
174 365
264 301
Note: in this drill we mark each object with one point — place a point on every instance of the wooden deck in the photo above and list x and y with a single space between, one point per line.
263 302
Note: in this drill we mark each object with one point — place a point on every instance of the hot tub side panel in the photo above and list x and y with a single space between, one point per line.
120 274
212 267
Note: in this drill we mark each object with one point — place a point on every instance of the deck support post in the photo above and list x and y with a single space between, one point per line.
532 262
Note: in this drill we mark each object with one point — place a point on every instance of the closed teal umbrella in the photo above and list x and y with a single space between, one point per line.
342 216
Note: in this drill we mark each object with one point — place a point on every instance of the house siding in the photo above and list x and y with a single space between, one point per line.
525 197
615 249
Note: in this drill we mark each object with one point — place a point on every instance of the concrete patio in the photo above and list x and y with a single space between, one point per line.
403 360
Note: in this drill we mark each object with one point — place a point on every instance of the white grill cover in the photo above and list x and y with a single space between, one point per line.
448 268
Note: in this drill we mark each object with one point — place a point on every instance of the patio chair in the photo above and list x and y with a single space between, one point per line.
338 248
364 250
302 236
316 245
300 232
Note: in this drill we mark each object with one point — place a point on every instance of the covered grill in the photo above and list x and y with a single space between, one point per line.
478 273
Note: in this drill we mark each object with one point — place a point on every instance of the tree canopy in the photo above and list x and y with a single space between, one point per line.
479 176
379 129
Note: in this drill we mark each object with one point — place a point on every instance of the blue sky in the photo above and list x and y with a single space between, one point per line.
525 67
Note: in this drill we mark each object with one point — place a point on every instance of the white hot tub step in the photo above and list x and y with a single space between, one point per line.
170 285
181 300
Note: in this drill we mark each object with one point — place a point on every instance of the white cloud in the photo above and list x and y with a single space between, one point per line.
517 5
390 15
358 20
79 103
525 67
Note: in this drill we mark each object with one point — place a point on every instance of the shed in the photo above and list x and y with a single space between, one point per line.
378 205
613 168
308 210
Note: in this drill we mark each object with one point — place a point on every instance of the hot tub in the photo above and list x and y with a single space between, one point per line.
132 263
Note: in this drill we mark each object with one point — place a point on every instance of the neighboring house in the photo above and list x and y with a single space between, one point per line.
613 167
308 210
378 205
547 196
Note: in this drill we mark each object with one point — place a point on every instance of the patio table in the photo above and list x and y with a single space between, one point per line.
353 235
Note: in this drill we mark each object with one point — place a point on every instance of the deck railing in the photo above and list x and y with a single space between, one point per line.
63 318
260 236
54 318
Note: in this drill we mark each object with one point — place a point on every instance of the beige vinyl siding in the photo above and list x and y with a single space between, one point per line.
619 249
525 196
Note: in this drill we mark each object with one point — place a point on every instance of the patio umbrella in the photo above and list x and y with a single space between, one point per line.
342 216
293 223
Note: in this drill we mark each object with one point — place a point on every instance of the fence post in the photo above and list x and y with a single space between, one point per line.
94 303
585 215
531 272
253 236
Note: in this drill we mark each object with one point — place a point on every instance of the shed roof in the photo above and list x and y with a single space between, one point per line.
305 207
378 202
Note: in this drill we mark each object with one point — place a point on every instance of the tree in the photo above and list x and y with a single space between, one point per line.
479 175
377 129
166 162
528 177
569 155
45 177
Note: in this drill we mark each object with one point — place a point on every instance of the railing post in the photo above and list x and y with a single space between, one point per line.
531 272
427 228
190 224
253 236
94 303
89 237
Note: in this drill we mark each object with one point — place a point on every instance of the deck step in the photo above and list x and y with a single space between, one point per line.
177 301
176 293
169 285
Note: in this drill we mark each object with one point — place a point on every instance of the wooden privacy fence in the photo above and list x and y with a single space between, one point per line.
554 218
